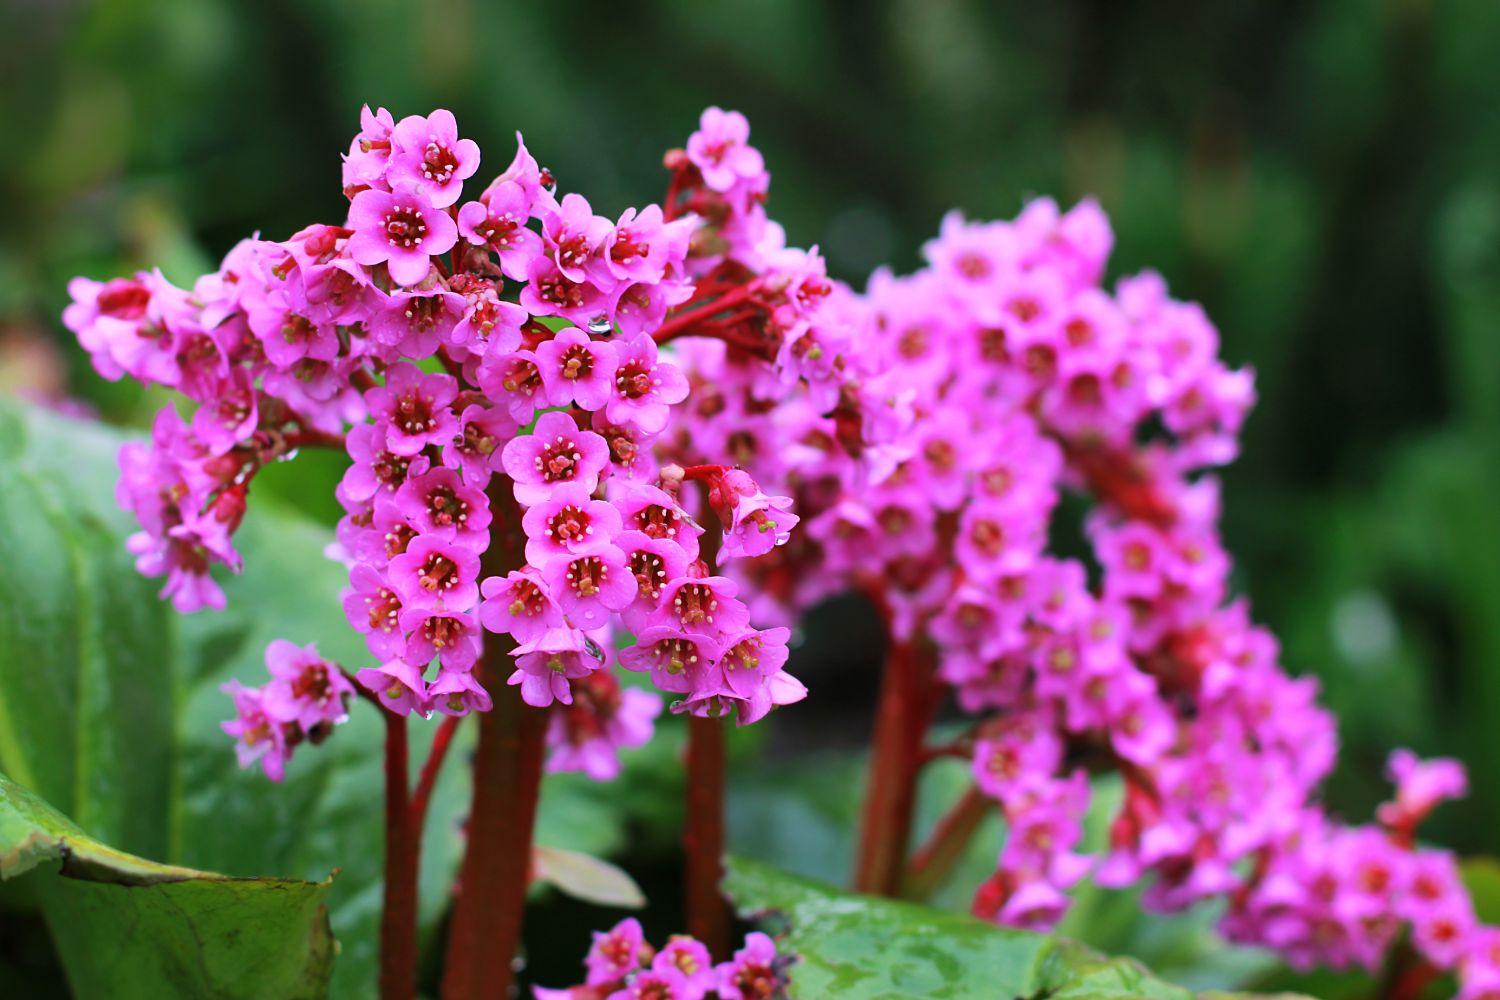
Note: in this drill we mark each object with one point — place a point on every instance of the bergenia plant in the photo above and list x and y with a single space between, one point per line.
581 445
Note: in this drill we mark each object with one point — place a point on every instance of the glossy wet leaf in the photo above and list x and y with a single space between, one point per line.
127 927
863 948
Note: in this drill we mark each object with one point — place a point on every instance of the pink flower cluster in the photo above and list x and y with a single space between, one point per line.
305 698
491 367
967 398
623 966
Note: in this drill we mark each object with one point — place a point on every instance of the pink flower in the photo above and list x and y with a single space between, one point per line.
751 657
643 390
436 573
753 973
575 368
258 736
1420 787
415 407
399 686
573 233
498 221
705 605
754 523
720 149
370 151
428 156
475 445
458 693
448 636
546 664
438 503
518 605
555 452
604 719
690 958
304 688
568 523
374 609
403 230
591 585
655 984
615 953
677 662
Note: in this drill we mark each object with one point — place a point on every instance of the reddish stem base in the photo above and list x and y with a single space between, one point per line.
902 717
398 917
703 836
486 931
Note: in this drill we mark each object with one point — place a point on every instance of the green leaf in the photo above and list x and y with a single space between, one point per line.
110 703
585 877
863 948
128 927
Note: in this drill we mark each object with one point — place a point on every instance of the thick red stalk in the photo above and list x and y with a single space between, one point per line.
935 859
707 915
441 741
398 916
907 701
485 933
703 835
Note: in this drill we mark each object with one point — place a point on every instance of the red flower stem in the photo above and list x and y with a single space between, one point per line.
398 915
908 699
312 439
935 859
485 933
706 912
682 324
441 741
703 836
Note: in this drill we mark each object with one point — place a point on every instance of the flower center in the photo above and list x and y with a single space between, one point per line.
586 576
440 572
405 228
577 362
569 524
633 380
650 573
438 163
694 603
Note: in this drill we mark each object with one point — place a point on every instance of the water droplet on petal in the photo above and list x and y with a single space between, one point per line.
548 182
600 326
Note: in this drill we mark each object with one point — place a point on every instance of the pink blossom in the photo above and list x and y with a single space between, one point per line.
436 573
428 156
555 452
304 689
519 605
568 523
258 736
575 368
415 407
721 151
403 230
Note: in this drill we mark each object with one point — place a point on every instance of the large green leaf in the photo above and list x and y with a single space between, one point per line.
131 928
863 948
110 703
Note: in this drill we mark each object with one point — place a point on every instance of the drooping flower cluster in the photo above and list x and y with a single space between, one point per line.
491 367
969 396
622 965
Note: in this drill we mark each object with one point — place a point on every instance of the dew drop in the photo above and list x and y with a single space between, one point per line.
600 326
290 454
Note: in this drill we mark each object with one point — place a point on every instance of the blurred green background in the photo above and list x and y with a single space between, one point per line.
1324 178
